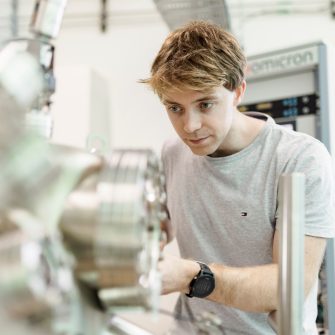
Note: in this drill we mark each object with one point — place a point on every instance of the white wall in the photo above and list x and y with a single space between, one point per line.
273 32
124 54
122 57
81 108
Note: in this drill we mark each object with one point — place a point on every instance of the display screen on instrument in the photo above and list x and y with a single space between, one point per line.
287 107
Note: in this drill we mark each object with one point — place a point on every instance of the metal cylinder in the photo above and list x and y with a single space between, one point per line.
291 253
111 224
47 17
36 278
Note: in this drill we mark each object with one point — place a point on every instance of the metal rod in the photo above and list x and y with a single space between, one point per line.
47 17
122 326
330 270
291 257
14 18
325 135
103 16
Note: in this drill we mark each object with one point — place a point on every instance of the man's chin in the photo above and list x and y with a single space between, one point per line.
204 151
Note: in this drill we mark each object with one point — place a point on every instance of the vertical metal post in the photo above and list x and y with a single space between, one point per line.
327 120
14 18
103 16
291 258
330 271
47 18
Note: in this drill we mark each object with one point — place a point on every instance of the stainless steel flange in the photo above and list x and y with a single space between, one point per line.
111 224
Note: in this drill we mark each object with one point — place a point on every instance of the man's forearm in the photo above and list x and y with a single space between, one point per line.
252 289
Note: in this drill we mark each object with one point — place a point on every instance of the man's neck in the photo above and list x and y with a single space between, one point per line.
243 132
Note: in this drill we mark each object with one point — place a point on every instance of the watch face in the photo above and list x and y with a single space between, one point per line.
203 286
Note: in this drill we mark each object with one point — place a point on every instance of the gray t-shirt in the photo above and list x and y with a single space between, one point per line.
224 210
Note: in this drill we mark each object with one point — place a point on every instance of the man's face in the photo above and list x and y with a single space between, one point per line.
203 120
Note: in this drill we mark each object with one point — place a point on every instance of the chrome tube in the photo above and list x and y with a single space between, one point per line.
291 253
119 325
111 225
47 17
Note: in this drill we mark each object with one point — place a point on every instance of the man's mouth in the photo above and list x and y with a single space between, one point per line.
198 140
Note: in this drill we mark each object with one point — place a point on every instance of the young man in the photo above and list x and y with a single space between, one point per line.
222 181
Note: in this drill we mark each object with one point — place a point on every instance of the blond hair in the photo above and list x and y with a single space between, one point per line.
198 56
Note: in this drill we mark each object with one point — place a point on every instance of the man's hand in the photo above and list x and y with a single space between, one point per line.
251 289
177 274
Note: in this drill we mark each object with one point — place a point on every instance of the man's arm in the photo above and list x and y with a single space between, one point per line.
167 232
252 289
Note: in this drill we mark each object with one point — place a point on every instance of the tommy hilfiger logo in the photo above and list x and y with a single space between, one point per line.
244 213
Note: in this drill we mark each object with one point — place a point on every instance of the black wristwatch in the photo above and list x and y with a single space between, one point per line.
203 283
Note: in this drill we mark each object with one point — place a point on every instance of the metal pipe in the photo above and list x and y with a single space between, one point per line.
291 253
330 270
14 18
47 17
119 325
325 135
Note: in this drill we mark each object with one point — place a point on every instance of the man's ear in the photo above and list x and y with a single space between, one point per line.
239 93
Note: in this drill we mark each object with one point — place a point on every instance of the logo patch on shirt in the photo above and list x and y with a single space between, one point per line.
244 213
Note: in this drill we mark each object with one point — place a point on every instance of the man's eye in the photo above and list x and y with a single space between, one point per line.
174 109
206 105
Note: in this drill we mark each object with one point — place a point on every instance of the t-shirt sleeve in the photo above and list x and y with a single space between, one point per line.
316 164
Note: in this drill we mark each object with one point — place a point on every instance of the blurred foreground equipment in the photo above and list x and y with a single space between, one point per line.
111 226
79 233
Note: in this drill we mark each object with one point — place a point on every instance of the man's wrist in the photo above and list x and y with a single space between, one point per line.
191 269
203 283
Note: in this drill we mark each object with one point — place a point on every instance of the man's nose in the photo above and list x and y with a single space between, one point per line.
192 122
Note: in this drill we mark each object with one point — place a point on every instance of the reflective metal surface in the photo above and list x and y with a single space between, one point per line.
48 17
111 225
106 210
36 275
291 253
